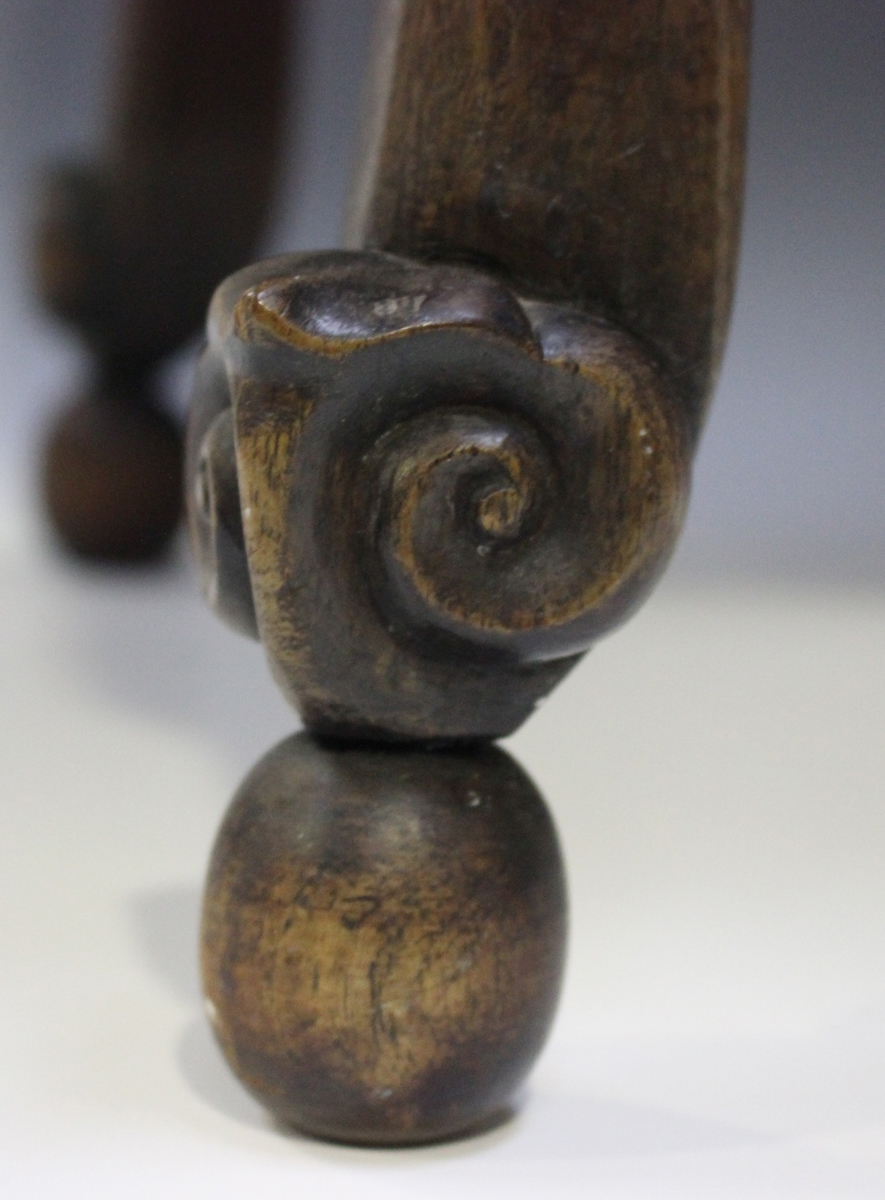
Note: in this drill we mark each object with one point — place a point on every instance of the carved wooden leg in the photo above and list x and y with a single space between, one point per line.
429 473
129 250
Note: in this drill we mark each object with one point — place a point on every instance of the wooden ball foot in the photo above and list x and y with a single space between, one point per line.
112 478
383 937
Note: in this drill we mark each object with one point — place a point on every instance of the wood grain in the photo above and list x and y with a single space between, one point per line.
590 152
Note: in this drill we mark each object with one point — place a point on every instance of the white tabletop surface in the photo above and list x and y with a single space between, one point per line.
717 773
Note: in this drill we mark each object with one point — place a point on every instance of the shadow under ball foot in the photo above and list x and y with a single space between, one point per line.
383 937
112 476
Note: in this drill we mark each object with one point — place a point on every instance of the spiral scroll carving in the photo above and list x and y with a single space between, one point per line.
447 492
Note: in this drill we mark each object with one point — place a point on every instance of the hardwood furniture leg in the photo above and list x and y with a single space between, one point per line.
429 472
130 248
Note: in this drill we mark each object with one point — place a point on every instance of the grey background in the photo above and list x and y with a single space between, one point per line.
789 480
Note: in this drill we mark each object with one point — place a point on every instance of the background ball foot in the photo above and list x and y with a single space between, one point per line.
112 478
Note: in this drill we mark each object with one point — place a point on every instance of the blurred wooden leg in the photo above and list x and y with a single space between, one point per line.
130 248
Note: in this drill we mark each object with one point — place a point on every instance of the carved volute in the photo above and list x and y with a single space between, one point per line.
447 493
